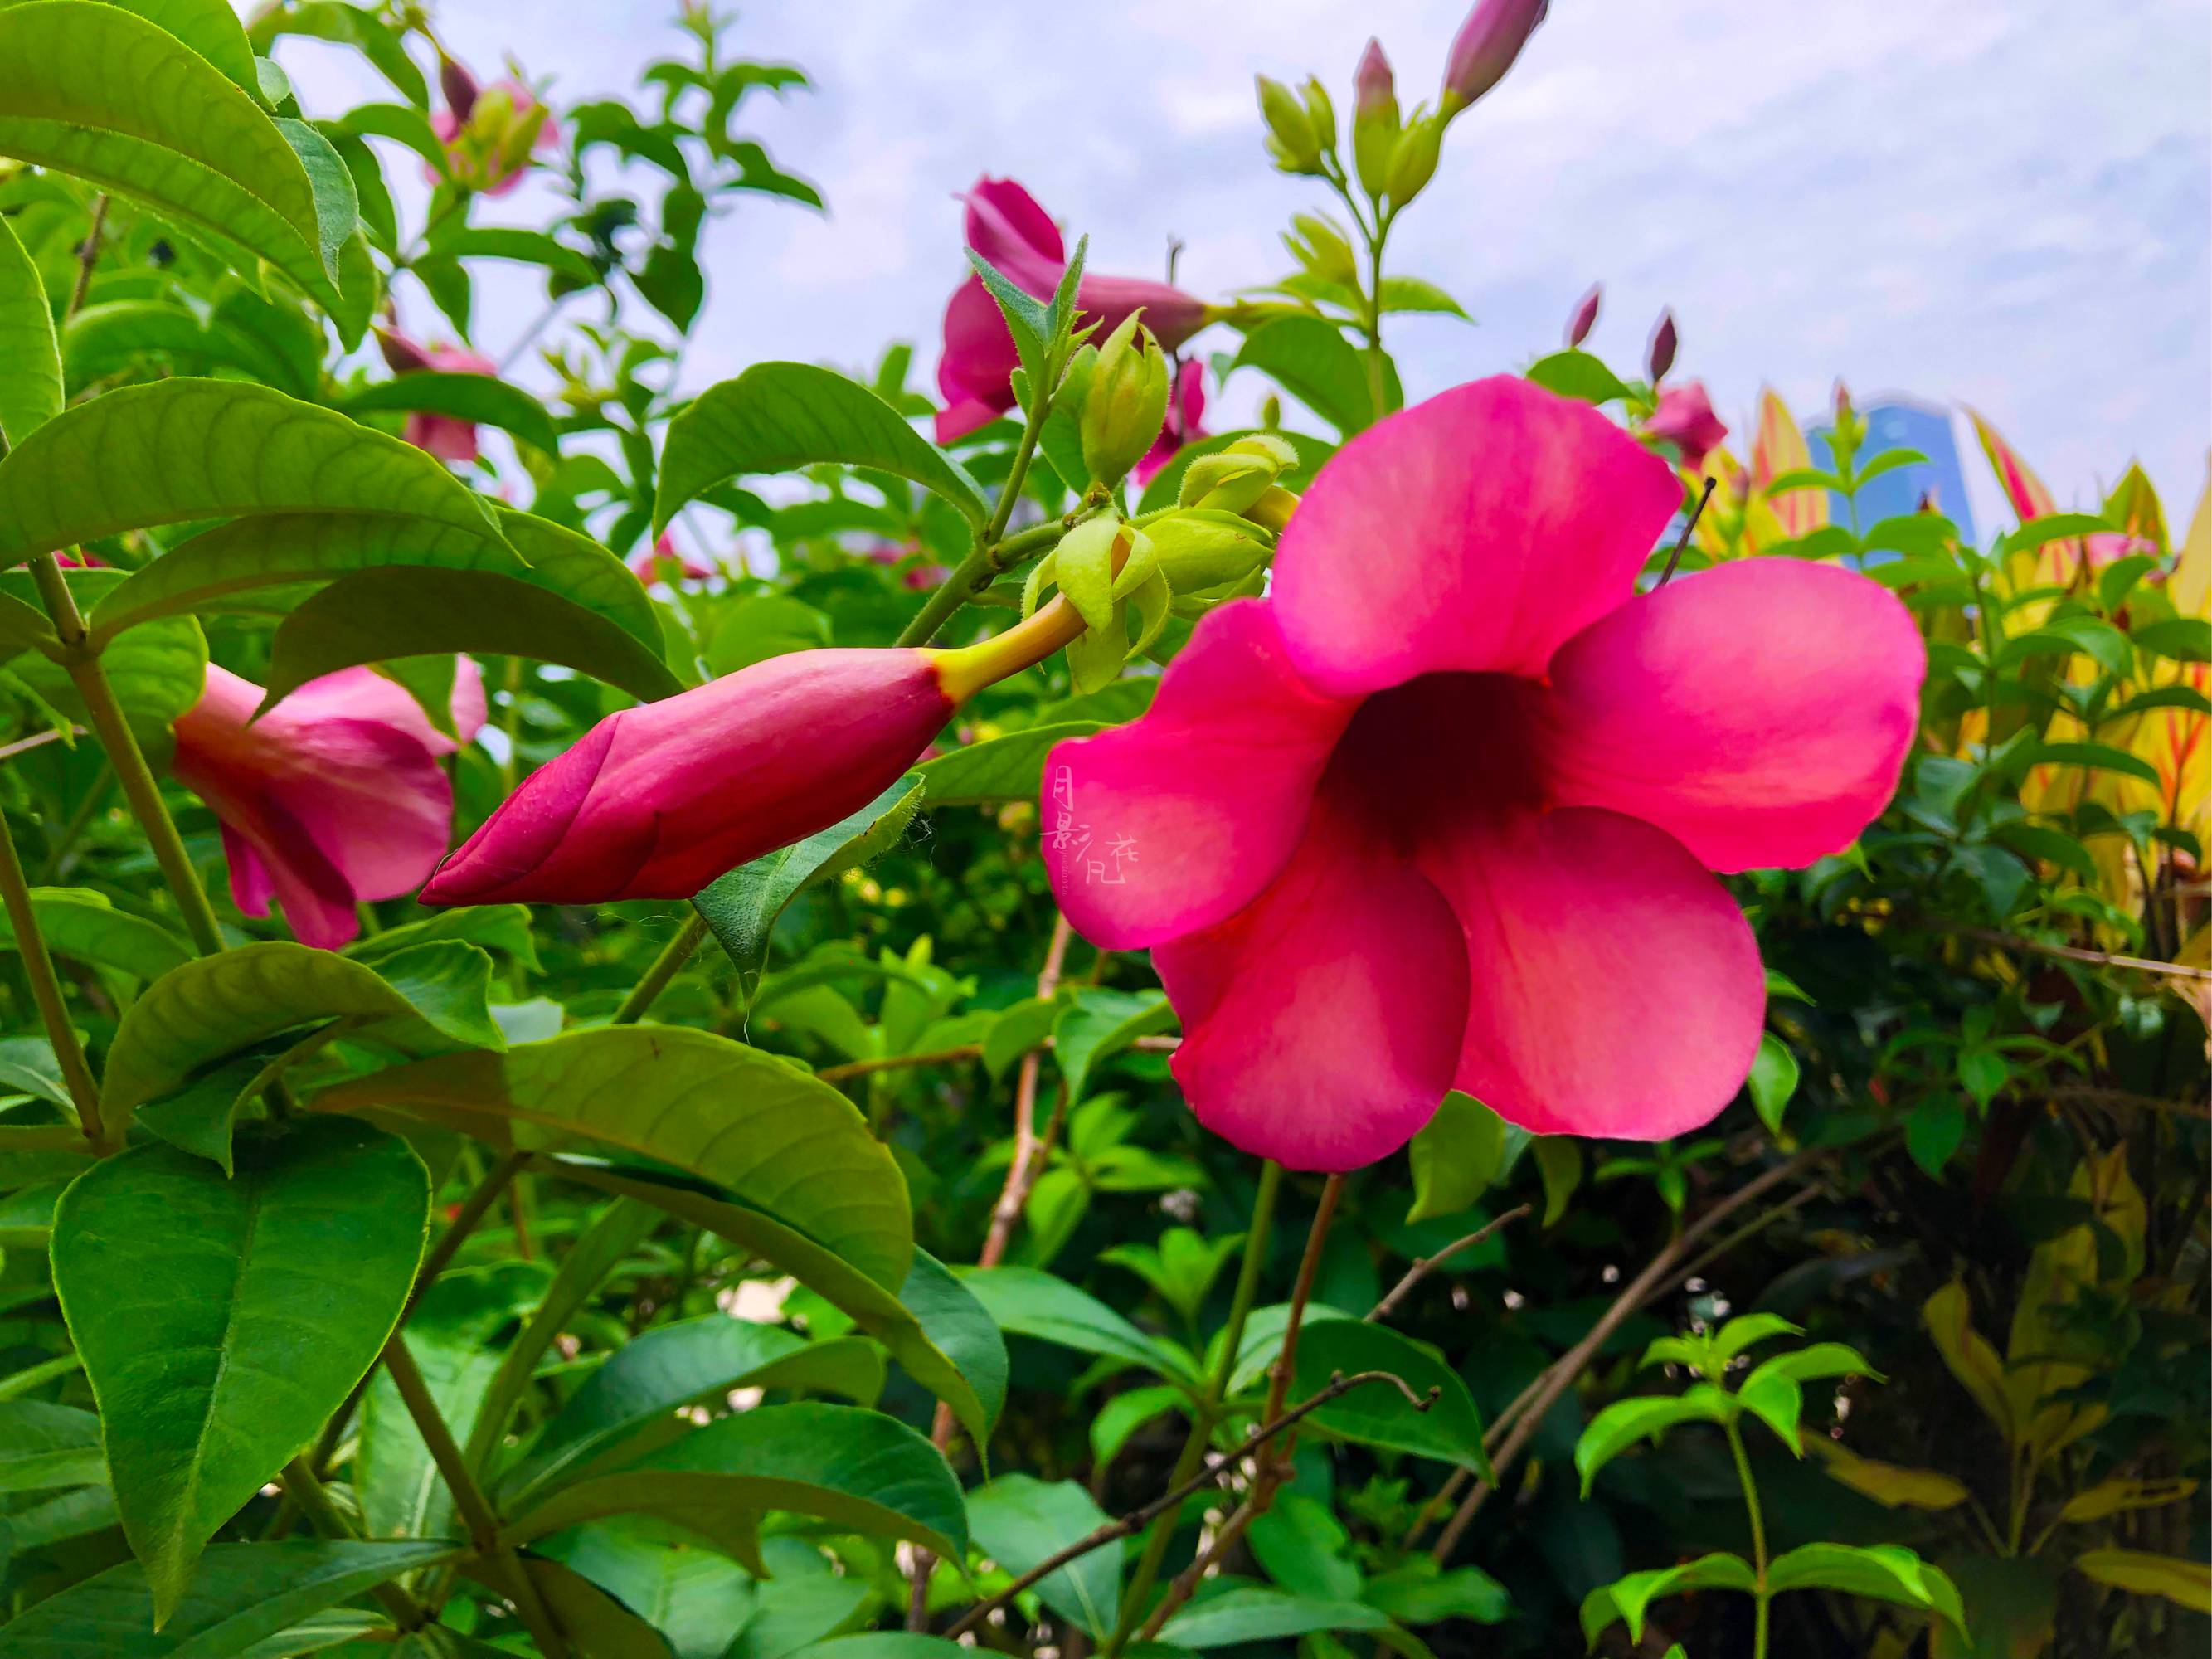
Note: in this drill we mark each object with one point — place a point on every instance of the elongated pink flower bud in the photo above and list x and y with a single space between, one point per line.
1373 85
1585 317
459 87
1663 343
1486 46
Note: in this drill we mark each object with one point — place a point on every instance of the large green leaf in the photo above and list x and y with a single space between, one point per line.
1020 1522
156 675
81 922
432 996
755 1124
695 1597
1006 768
1318 366
1377 1413
119 334
776 417
211 28
672 1365
30 359
338 206
1887 1572
92 90
1625 1422
478 398
222 1321
186 449
44 1446
860 1470
1630 1597
875 1311
1038 1304
741 906
963 1330
596 1623
1098 1025
1260 1612
372 616
240 1595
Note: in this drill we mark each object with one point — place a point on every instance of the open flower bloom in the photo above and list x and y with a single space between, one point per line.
1685 418
1442 810
333 797
1185 409
488 132
974 375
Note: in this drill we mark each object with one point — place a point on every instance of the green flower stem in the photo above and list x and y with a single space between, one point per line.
140 788
57 858
1378 380
1758 1537
329 1521
665 967
46 990
1208 1413
994 548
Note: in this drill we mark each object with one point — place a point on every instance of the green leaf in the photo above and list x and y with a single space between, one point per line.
597 1624
222 1321
1560 1162
1020 1522
961 1329
43 1445
860 1470
1318 366
532 247
1772 1081
104 339
197 1118
81 923
415 611
1748 1332
741 908
756 1124
332 1628
1377 1413
478 398
31 379
1303 1546
1822 1359
695 1597
156 675
502 927
1020 1027
240 1594
2183 639
881 1645
1034 1303
1776 1400
1006 768
1456 1157
1625 1422
432 996
1256 1613
1413 294
1630 1597
186 449
2055 527
344 25
211 28
874 1309
338 207
1419 1594
1887 1572
1097 1025
2185 1582
28 1063
777 417
648 1379
1577 374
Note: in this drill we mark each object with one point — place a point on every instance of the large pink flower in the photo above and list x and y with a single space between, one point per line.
1006 226
1442 810
333 797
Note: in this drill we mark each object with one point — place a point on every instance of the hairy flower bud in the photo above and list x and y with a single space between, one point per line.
1661 357
1413 163
1199 552
1291 137
1486 46
1232 479
1374 120
1585 318
1127 401
1321 113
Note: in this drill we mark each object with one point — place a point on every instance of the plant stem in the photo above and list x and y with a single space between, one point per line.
665 967
46 990
330 1522
1424 1266
140 788
1378 379
1758 1535
992 547
1208 1407
57 856
87 256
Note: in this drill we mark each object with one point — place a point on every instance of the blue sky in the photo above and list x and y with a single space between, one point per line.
2001 203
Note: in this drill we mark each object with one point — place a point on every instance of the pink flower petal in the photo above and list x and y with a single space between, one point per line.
1615 989
1008 226
364 693
1205 795
1320 1022
1758 712
1479 530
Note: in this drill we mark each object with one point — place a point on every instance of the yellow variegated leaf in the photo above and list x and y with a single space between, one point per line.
1779 447
1950 1319
2027 492
2111 1497
2188 1583
1888 1484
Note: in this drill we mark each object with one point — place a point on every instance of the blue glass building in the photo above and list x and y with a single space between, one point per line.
1899 423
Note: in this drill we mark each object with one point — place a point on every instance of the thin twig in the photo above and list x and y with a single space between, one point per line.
88 255
23 747
899 1062
2069 952
1136 1521
329 1521
1422 1265
1675 557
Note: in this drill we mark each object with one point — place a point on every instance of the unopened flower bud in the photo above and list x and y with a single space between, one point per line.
1375 120
1075 385
1321 113
459 87
1664 341
1126 402
1486 46
1229 480
1271 413
1585 317
1323 249
1414 162
1196 554
1272 512
1291 136
402 355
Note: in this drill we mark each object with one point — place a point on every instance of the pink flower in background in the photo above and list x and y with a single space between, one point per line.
1441 811
1486 45
658 800
1182 426
664 561
488 132
1005 225
1685 418
921 578
333 797
447 436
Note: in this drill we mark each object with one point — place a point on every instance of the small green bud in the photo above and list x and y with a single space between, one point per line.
1320 113
1374 120
1196 554
1323 248
1126 404
1271 413
1075 383
1414 162
1229 480
1291 138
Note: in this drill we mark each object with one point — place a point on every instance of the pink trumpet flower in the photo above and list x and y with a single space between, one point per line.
447 436
488 132
1441 810
1182 427
333 797
1685 418
1005 225
664 561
